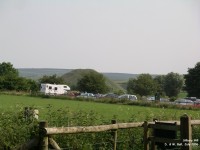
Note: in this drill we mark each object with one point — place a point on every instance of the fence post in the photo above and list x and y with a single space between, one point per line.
146 136
186 132
114 134
43 137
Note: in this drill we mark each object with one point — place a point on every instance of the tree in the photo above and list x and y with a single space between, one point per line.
92 82
144 85
51 79
8 76
159 81
8 69
10 80
173 84
23 84
192 81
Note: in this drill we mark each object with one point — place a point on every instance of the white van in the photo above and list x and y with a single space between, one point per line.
54 89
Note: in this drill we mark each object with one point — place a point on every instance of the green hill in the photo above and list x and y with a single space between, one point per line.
117 81
120 77
36 73
72 78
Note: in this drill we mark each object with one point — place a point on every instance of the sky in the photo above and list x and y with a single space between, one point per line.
120 36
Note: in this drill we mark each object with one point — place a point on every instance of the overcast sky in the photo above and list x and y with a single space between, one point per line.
125 36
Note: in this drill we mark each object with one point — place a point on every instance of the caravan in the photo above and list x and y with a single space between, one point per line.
54 89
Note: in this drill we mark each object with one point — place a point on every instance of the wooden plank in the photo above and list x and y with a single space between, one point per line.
101 128
172 122
195 122
54 144
87 129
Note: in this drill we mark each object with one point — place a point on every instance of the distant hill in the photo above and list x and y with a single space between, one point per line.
36 73
117 80
72 78
120 77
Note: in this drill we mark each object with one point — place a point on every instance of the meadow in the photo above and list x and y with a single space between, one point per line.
16 130
122 113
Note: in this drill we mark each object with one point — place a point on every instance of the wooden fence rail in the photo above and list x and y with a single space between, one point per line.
91 129
184 126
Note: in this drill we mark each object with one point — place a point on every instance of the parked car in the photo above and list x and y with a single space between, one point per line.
110 95
151 98
86 95
197 102
191 98
183 102
128 97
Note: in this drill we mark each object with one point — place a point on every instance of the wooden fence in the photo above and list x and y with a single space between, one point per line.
156 133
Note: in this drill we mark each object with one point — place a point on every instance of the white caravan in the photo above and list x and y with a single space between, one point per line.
54 89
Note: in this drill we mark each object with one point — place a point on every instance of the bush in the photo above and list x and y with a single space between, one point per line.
15 129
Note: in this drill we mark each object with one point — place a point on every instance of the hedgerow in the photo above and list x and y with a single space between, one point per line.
16 130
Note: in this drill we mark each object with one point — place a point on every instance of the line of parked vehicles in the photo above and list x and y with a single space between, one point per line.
192 101
53 89
109 95
187 101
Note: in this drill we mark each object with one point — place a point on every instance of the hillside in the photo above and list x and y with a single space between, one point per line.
120 77
36 73
72 78
115 80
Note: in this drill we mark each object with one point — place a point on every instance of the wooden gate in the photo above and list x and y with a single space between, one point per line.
152 139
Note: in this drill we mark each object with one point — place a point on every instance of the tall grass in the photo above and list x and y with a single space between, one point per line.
16 130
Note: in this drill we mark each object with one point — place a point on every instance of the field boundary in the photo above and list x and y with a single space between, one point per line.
151 138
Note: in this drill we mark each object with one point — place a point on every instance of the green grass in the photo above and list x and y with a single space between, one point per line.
182 94
108 111
15 129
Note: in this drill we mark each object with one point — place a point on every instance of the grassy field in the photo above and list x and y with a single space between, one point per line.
108 111
15 129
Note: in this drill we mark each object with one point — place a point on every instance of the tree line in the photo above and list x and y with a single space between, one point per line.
167 85
162 85
10 79
144 85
